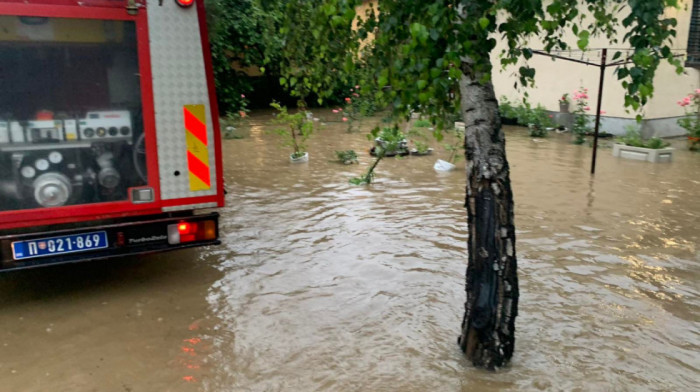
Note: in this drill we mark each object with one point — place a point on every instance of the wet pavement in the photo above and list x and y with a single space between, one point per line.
324 286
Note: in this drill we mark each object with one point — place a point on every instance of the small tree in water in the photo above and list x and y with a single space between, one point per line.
389 140
297 131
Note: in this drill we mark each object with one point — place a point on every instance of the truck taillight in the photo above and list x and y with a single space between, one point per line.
191 231
184 3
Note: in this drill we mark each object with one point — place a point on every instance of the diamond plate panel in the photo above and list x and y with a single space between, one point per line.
179 79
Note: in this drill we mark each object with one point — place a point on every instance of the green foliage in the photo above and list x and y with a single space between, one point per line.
241 34
389 140
421 147
422 124
536 119
418 138
507 109
581 123
318 46
420 62
634 138
347 157
457 146
691 121
297 131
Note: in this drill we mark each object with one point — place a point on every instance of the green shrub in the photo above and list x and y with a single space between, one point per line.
634 139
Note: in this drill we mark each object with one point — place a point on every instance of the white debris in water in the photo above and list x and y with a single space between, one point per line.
588 228
509 247
504 232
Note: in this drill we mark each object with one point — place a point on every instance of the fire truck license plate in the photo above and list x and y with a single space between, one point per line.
73 243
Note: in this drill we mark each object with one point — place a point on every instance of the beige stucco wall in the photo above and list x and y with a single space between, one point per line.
553 78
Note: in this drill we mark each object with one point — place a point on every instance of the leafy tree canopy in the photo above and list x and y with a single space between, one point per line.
419 48
242 34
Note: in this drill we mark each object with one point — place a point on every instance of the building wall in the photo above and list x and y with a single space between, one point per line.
554 78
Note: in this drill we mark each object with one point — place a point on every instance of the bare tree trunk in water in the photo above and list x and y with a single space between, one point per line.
488 327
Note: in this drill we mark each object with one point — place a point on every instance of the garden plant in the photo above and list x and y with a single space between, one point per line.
296 132
581 122
691 121
389 140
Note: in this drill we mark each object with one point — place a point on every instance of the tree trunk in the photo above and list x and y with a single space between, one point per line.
488 327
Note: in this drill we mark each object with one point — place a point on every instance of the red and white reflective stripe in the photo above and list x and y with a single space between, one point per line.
197 147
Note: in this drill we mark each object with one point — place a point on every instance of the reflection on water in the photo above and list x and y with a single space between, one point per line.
324 286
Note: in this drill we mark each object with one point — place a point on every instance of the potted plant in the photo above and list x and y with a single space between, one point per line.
389 142
633 146
297 131
564 103
691 121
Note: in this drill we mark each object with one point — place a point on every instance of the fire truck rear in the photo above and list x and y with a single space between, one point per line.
109 134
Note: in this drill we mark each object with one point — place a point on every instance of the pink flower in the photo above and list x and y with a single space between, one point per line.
587 108
356 94
680 103
242 114
242 95
335 110
550 116
357 87
602 112
351 90
345 119
686 100
348 100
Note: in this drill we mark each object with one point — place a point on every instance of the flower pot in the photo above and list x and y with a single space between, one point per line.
693 143
301 159
564 107
443 166
643 154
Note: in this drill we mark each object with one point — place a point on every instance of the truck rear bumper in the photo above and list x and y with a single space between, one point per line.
123 239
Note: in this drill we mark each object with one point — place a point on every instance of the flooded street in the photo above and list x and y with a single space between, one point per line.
320 285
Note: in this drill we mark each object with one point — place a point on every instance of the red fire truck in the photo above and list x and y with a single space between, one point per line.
109 135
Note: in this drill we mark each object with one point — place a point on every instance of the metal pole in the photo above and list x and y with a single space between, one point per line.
597 114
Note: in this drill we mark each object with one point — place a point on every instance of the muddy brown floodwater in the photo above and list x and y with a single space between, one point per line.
324 286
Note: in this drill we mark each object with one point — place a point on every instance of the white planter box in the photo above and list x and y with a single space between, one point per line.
301 159
643 154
